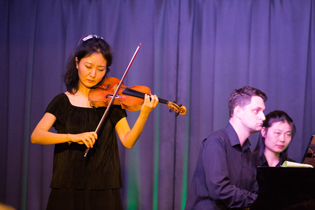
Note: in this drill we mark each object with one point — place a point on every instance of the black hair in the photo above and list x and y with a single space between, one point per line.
242 97
87 45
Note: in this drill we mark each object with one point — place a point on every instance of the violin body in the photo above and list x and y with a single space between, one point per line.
129 98
101 96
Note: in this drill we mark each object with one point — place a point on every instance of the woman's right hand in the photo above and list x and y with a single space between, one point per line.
87 138
42 135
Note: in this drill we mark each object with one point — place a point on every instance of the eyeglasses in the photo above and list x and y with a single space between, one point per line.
90 37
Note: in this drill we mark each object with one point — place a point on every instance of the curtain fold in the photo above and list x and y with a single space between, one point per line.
194 52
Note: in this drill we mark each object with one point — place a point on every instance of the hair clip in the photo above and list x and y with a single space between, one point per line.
90 37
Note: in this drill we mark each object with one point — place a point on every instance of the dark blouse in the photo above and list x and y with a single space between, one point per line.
101 168
225 176
263 161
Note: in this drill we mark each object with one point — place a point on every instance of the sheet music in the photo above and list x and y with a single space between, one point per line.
296 165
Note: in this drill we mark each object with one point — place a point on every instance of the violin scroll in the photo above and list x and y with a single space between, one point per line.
179 109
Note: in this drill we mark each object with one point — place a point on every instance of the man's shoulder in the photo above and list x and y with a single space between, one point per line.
218 135
217 140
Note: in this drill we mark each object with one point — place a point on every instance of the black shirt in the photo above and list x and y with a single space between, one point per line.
225 176
101 168
263 161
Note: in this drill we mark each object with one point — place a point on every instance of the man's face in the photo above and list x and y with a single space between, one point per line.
252 115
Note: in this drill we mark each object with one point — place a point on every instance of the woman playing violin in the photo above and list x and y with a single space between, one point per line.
94 181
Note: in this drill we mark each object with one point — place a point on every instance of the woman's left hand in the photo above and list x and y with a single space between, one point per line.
150 102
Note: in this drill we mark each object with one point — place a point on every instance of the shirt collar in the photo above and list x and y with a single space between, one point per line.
264 162
234 138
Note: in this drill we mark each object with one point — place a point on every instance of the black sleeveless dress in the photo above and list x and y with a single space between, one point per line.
91 182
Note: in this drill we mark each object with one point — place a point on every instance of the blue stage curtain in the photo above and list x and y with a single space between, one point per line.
196 52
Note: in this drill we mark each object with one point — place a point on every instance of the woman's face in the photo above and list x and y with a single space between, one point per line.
278 137
91 70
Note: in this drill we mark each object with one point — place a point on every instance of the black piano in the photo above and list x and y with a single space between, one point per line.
285 189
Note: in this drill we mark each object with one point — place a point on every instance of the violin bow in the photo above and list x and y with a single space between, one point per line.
114 96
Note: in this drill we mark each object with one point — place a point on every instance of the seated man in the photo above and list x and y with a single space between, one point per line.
225 176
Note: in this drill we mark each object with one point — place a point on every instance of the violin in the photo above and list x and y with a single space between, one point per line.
112 91
129 98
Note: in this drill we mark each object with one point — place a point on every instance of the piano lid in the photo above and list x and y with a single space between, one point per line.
285 188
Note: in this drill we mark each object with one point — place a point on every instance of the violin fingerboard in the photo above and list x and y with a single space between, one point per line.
138 94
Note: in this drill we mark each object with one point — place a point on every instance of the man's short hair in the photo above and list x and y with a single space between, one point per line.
242 97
